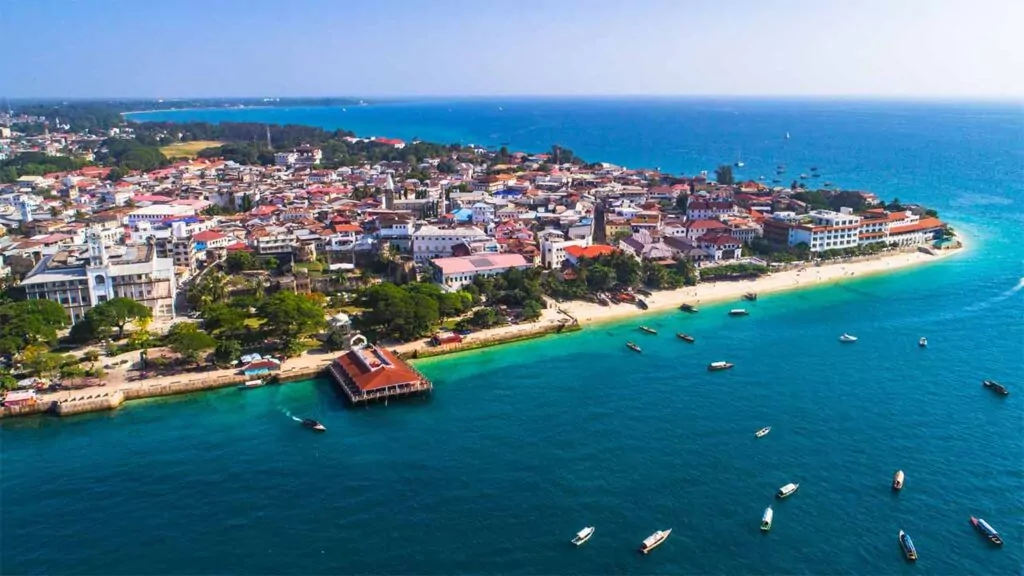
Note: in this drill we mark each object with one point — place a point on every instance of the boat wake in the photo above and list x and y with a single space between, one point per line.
290 415
996 299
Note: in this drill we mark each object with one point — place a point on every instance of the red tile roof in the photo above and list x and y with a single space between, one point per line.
208 236
372 368
589 251
924 224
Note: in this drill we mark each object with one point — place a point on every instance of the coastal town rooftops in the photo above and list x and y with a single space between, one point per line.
372 368
478 263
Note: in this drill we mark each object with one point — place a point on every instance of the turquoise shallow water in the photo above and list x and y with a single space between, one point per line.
521 446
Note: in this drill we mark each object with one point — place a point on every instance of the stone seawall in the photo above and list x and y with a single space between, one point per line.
111 400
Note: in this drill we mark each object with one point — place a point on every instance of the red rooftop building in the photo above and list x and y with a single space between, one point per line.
367 373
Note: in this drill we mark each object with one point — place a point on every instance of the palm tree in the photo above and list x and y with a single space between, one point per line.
259 287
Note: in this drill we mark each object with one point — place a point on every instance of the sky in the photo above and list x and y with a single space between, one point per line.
267 48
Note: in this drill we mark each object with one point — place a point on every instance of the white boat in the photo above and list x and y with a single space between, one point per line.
787 490
654 540
583 535
251 384
766 519
738 312
847 338
923 342
787 135
763 431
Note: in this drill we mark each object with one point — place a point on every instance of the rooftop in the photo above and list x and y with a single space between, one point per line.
373 368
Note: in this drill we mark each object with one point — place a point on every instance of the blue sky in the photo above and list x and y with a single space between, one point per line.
197 48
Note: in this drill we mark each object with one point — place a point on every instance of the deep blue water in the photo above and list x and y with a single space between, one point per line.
523 445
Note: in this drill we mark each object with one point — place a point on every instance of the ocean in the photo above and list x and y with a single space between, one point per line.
521 446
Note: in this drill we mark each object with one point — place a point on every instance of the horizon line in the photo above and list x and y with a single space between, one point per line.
806 97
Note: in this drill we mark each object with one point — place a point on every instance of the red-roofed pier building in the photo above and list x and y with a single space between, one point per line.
367 373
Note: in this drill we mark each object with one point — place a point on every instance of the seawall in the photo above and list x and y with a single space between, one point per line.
112 400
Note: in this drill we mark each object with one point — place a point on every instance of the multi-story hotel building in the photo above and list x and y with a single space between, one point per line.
80 277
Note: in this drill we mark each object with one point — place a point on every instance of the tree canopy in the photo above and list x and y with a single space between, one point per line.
291 316
30 322
189 342
723 175
117 313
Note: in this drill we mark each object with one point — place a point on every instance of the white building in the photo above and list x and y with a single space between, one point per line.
158 213
81 277
552 251
828 230
429 242
454 273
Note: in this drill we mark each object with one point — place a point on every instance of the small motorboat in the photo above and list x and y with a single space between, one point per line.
987 531
654 540
632 346
583 535
685 337
766 519
738 312
688 308
763 432
644 292
313 425
908 546
787 490
897 480
716 366
752 296
648 329
847 339
923 342
641 304
251 384
995 387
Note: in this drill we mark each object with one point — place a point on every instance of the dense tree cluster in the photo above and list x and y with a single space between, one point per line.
35 164
733 271
29 323
130 155
410 311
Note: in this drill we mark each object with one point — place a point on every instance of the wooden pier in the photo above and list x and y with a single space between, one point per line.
368 374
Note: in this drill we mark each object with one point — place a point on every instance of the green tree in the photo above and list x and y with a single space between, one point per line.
118 312
219 317
189 342
723 175
227 352
40 361
240 261
8 382
291 315
30 322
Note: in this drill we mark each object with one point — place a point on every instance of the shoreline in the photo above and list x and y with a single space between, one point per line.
555 320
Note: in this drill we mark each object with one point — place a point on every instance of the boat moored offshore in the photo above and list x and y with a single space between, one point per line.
766 519
632 346
987 531
787 490
897 480
908 546
716 366
751 296
738 312
995 387
251 384
685 337
763 432
583 535
648 329
923 342
654 540
688 308
847 338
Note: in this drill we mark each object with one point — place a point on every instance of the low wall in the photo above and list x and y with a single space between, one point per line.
89 403
37 407
493 341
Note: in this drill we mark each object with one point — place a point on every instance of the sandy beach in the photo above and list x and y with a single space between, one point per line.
709 293
586 313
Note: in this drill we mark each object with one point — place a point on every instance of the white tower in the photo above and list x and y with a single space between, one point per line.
97 272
